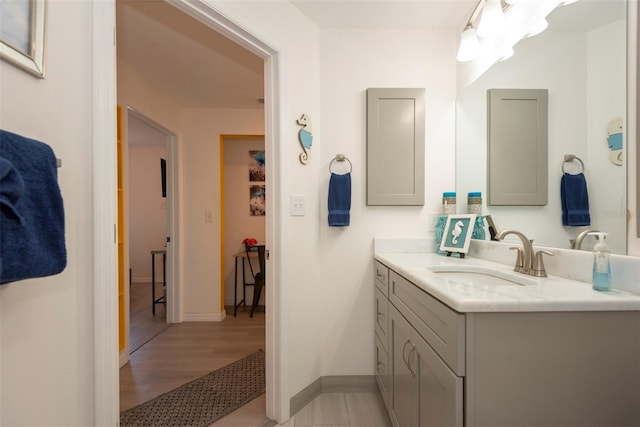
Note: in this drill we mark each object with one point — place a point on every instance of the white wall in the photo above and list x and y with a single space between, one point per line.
238 223
147 211
348 66
46 325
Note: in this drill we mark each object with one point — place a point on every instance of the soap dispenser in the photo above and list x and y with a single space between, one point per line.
601 264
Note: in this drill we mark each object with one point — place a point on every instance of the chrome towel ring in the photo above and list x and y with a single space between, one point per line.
570 158
340 158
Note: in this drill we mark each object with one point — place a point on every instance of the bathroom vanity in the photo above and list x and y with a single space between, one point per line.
485 350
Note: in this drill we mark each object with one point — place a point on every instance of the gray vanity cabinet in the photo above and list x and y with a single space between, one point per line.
438 367
418 386
383 369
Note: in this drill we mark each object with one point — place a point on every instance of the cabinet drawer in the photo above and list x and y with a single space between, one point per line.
382 318
382 277
441 327
383 371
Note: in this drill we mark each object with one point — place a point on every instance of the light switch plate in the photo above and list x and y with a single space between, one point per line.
296 205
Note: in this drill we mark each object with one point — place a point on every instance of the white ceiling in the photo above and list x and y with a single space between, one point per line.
387 13
200 68
185 59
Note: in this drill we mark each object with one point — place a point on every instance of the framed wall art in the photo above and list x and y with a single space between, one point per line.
256 166
457 234
22 34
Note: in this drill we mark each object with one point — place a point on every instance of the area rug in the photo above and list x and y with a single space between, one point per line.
204 400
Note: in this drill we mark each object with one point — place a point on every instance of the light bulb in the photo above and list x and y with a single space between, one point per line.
492 20
469 45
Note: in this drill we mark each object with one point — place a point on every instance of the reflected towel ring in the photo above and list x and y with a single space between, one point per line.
571 158
341 158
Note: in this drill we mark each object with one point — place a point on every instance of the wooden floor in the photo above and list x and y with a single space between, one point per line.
143 325
182 352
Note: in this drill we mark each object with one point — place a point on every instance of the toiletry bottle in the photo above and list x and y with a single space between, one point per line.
448 208
474 206
601 264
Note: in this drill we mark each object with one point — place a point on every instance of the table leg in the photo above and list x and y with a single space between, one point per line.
235 289
153 284
244 288
164 278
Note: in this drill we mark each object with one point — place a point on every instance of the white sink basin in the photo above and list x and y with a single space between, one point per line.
482 276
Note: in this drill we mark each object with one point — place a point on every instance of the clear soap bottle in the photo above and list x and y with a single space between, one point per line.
601 264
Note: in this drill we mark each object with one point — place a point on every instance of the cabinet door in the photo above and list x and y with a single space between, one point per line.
395 146
440 390
403 409
517 160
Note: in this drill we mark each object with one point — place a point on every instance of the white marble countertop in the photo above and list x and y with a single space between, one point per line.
552 293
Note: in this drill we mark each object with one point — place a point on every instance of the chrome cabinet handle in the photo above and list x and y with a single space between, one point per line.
412 352
380 364
404 349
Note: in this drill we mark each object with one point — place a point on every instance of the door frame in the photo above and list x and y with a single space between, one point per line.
106 360
174 306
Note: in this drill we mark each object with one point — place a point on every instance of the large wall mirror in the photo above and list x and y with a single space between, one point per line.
581 59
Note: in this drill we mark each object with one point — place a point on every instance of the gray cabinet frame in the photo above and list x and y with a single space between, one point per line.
517 147
395 146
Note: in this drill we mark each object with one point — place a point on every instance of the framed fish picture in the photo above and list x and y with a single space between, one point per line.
457 234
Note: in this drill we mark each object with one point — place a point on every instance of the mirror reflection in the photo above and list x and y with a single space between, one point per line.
581 60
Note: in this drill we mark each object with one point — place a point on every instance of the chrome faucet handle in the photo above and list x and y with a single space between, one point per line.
518 265
538 266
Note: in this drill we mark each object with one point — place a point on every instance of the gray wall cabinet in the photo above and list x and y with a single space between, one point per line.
395 146
517 139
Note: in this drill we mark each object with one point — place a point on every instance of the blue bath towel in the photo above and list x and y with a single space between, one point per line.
575 200
32 239
339 200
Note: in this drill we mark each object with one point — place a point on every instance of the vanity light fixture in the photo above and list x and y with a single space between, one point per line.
469 45
492 21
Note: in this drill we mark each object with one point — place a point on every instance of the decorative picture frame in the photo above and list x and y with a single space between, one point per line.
257 165
22 35
257 200
457 234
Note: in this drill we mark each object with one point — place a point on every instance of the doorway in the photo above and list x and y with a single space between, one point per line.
106 394
242 193
150 200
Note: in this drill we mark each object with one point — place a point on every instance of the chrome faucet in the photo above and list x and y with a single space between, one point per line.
527 260
577 243
527 250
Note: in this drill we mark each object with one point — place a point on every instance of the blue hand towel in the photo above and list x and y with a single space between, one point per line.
575 200
339 200
32 240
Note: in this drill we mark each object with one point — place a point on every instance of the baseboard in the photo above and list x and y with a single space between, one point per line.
214 317
332 384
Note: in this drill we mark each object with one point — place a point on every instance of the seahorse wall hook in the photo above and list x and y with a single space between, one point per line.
305 135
